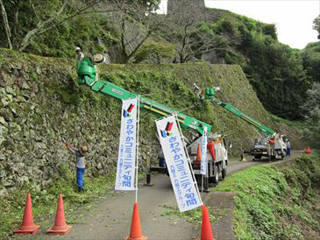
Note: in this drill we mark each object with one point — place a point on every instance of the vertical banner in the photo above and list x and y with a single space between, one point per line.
218 150
185 189
127 146
204 141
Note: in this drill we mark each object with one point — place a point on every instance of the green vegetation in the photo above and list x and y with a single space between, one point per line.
175 81
192 216
80 31
312 130
58 95
155 52
277 202
316 24
44 202
31 26
311 60
298 124
272 68
128 34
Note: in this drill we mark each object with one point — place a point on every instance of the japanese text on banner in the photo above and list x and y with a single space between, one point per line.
204 141
186 191
127 146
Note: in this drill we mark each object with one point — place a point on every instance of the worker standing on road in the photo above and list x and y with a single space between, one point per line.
288 147
80 154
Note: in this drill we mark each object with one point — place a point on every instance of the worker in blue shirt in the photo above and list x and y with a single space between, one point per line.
288 147
80 154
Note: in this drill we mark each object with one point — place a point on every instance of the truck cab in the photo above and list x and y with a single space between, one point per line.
272 147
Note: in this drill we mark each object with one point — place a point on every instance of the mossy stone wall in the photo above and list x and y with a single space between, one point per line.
42 106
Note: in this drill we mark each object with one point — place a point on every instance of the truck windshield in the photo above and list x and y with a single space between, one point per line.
263 141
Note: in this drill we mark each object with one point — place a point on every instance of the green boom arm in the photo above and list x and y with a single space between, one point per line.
87 75
209 93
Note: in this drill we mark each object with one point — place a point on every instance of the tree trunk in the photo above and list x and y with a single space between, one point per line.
126 60
6 24
16 20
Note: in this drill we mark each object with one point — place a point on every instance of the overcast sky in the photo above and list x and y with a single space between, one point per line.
293 18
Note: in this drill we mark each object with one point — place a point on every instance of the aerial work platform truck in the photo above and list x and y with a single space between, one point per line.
87 75
272 146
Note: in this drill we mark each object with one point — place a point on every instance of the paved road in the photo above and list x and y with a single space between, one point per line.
110 218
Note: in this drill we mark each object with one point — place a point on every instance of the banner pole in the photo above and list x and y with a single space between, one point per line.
202 178
187 155
138 145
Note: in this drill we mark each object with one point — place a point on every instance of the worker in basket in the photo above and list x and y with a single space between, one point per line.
210 147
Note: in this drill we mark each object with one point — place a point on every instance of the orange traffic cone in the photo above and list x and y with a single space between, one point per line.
308 150
27 225
135 231
206 231
60 227
197 162
199 153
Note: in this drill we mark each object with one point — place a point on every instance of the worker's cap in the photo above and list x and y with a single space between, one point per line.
84 149
77 49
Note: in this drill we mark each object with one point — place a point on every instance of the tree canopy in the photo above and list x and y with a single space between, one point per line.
131 31
30 24
316 24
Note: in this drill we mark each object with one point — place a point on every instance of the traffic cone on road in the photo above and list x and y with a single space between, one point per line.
27 226
206 231
243 159
60 227
197 162
199 156
308 150
135 231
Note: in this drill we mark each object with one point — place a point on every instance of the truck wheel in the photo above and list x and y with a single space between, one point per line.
205 184
256 158
224 173
216 174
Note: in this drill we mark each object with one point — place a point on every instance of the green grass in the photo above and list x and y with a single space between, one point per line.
192 216
277 202
44 203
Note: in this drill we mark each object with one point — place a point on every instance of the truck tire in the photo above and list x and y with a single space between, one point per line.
224 173
205 184
256 158
216 174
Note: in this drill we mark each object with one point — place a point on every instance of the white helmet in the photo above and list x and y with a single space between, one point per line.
78 49
99 58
